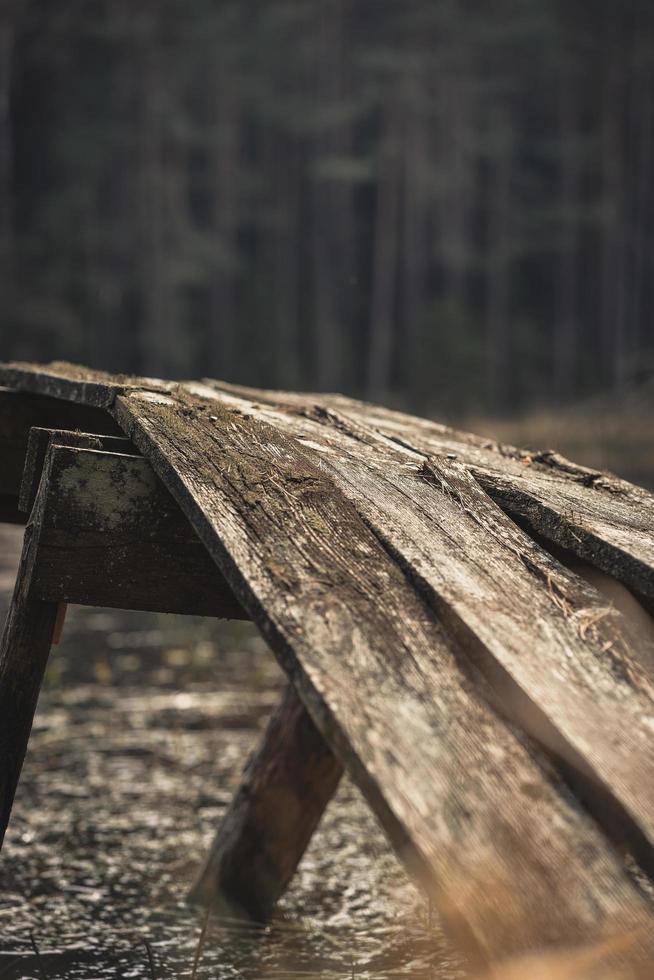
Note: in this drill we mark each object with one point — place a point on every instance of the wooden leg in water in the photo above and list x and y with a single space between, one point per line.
286 786
23 657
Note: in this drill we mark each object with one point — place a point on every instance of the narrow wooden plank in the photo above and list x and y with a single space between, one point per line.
596 516
64 382
453 786
286 786
111 535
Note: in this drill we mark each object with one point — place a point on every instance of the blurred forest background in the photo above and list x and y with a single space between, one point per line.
445 204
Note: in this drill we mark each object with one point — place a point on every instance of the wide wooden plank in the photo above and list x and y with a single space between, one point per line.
370 662
460 795
596 516
560 660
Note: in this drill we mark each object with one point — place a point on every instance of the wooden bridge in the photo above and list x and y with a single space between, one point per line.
432 596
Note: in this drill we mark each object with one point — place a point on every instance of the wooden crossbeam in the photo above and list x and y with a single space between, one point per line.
19 413
111 535
39 442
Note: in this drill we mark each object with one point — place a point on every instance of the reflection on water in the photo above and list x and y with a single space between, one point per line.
142 730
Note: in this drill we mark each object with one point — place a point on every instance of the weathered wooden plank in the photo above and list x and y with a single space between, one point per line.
596 516
63 382
560 661
111 535
286 786
453 786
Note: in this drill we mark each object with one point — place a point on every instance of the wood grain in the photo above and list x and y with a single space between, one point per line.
461 796
598 517
111 535
560 661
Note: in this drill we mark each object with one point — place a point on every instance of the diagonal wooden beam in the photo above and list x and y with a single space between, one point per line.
285 789
24 651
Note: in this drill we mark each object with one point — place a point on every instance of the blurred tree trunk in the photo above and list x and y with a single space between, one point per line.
332 219
156 295
414 237
7 32
611 324
566 341
498 284
642 103
223 156
287 183
384 255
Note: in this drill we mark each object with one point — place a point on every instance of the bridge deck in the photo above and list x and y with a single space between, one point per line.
475 687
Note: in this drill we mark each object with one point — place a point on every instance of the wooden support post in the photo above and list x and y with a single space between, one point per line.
24 654
286 786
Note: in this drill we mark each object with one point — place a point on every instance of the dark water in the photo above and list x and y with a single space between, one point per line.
143 727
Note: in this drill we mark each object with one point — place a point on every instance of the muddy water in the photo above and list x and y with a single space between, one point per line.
143 727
